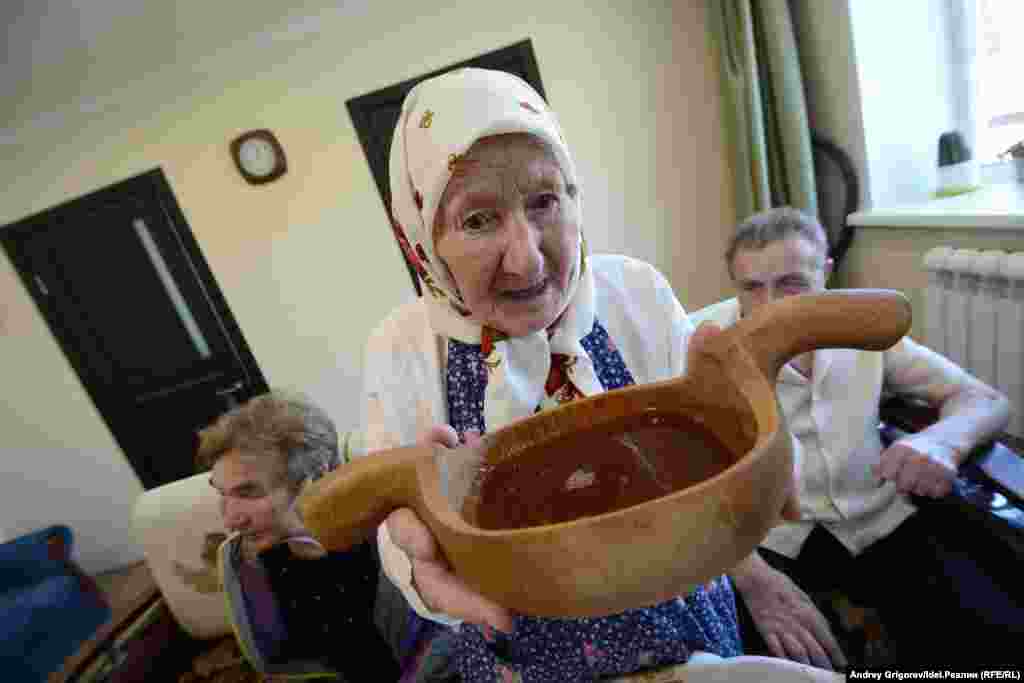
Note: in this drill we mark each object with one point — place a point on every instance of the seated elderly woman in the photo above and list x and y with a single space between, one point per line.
296 609
517 317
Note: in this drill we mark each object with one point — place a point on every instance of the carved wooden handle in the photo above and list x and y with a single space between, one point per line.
346 506
870 319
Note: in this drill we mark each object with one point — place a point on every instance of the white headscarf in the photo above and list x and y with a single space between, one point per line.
441 119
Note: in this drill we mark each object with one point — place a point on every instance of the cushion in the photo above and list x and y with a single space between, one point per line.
33 556
43 623
179 528
29 612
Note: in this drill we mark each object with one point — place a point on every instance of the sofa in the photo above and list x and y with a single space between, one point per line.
48 605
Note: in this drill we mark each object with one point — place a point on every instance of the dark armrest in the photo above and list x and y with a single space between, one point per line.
907 414
999 463
989 487
1004 467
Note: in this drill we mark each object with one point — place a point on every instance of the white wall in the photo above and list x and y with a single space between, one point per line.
891 258
307 263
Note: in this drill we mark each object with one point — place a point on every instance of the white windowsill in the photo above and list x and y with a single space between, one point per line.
997 206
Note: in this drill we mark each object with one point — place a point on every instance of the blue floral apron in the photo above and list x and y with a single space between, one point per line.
542 650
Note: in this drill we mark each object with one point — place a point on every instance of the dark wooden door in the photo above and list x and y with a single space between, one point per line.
129 297
375 116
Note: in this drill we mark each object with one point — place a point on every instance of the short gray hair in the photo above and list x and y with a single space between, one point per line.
773 225
277 424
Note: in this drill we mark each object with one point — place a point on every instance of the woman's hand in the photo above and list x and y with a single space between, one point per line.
440 589
791 625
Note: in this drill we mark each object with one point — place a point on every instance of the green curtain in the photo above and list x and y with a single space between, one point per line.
764 112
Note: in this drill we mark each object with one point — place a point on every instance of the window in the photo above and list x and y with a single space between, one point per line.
999 87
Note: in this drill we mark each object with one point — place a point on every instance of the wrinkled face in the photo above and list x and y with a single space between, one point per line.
794 265
508 232
254 498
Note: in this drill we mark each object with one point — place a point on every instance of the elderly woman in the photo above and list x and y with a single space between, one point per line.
296 609
517 317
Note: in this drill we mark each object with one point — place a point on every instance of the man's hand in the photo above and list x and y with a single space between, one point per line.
791 625
441 590
919 465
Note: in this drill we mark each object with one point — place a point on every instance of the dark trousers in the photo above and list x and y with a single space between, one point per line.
944 595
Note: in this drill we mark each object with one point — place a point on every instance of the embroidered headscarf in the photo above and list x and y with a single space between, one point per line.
440 121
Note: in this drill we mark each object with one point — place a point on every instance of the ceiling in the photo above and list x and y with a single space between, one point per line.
63 53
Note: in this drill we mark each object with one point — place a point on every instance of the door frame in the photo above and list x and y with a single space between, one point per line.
361 109
14 237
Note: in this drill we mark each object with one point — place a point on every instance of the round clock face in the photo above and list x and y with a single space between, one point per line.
257 156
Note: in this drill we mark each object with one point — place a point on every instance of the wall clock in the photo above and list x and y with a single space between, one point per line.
259 156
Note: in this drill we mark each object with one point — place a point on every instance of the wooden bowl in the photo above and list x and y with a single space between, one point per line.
649 552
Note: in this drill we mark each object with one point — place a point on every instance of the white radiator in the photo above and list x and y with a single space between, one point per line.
974 315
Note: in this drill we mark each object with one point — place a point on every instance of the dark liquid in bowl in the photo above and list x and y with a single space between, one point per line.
597 470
